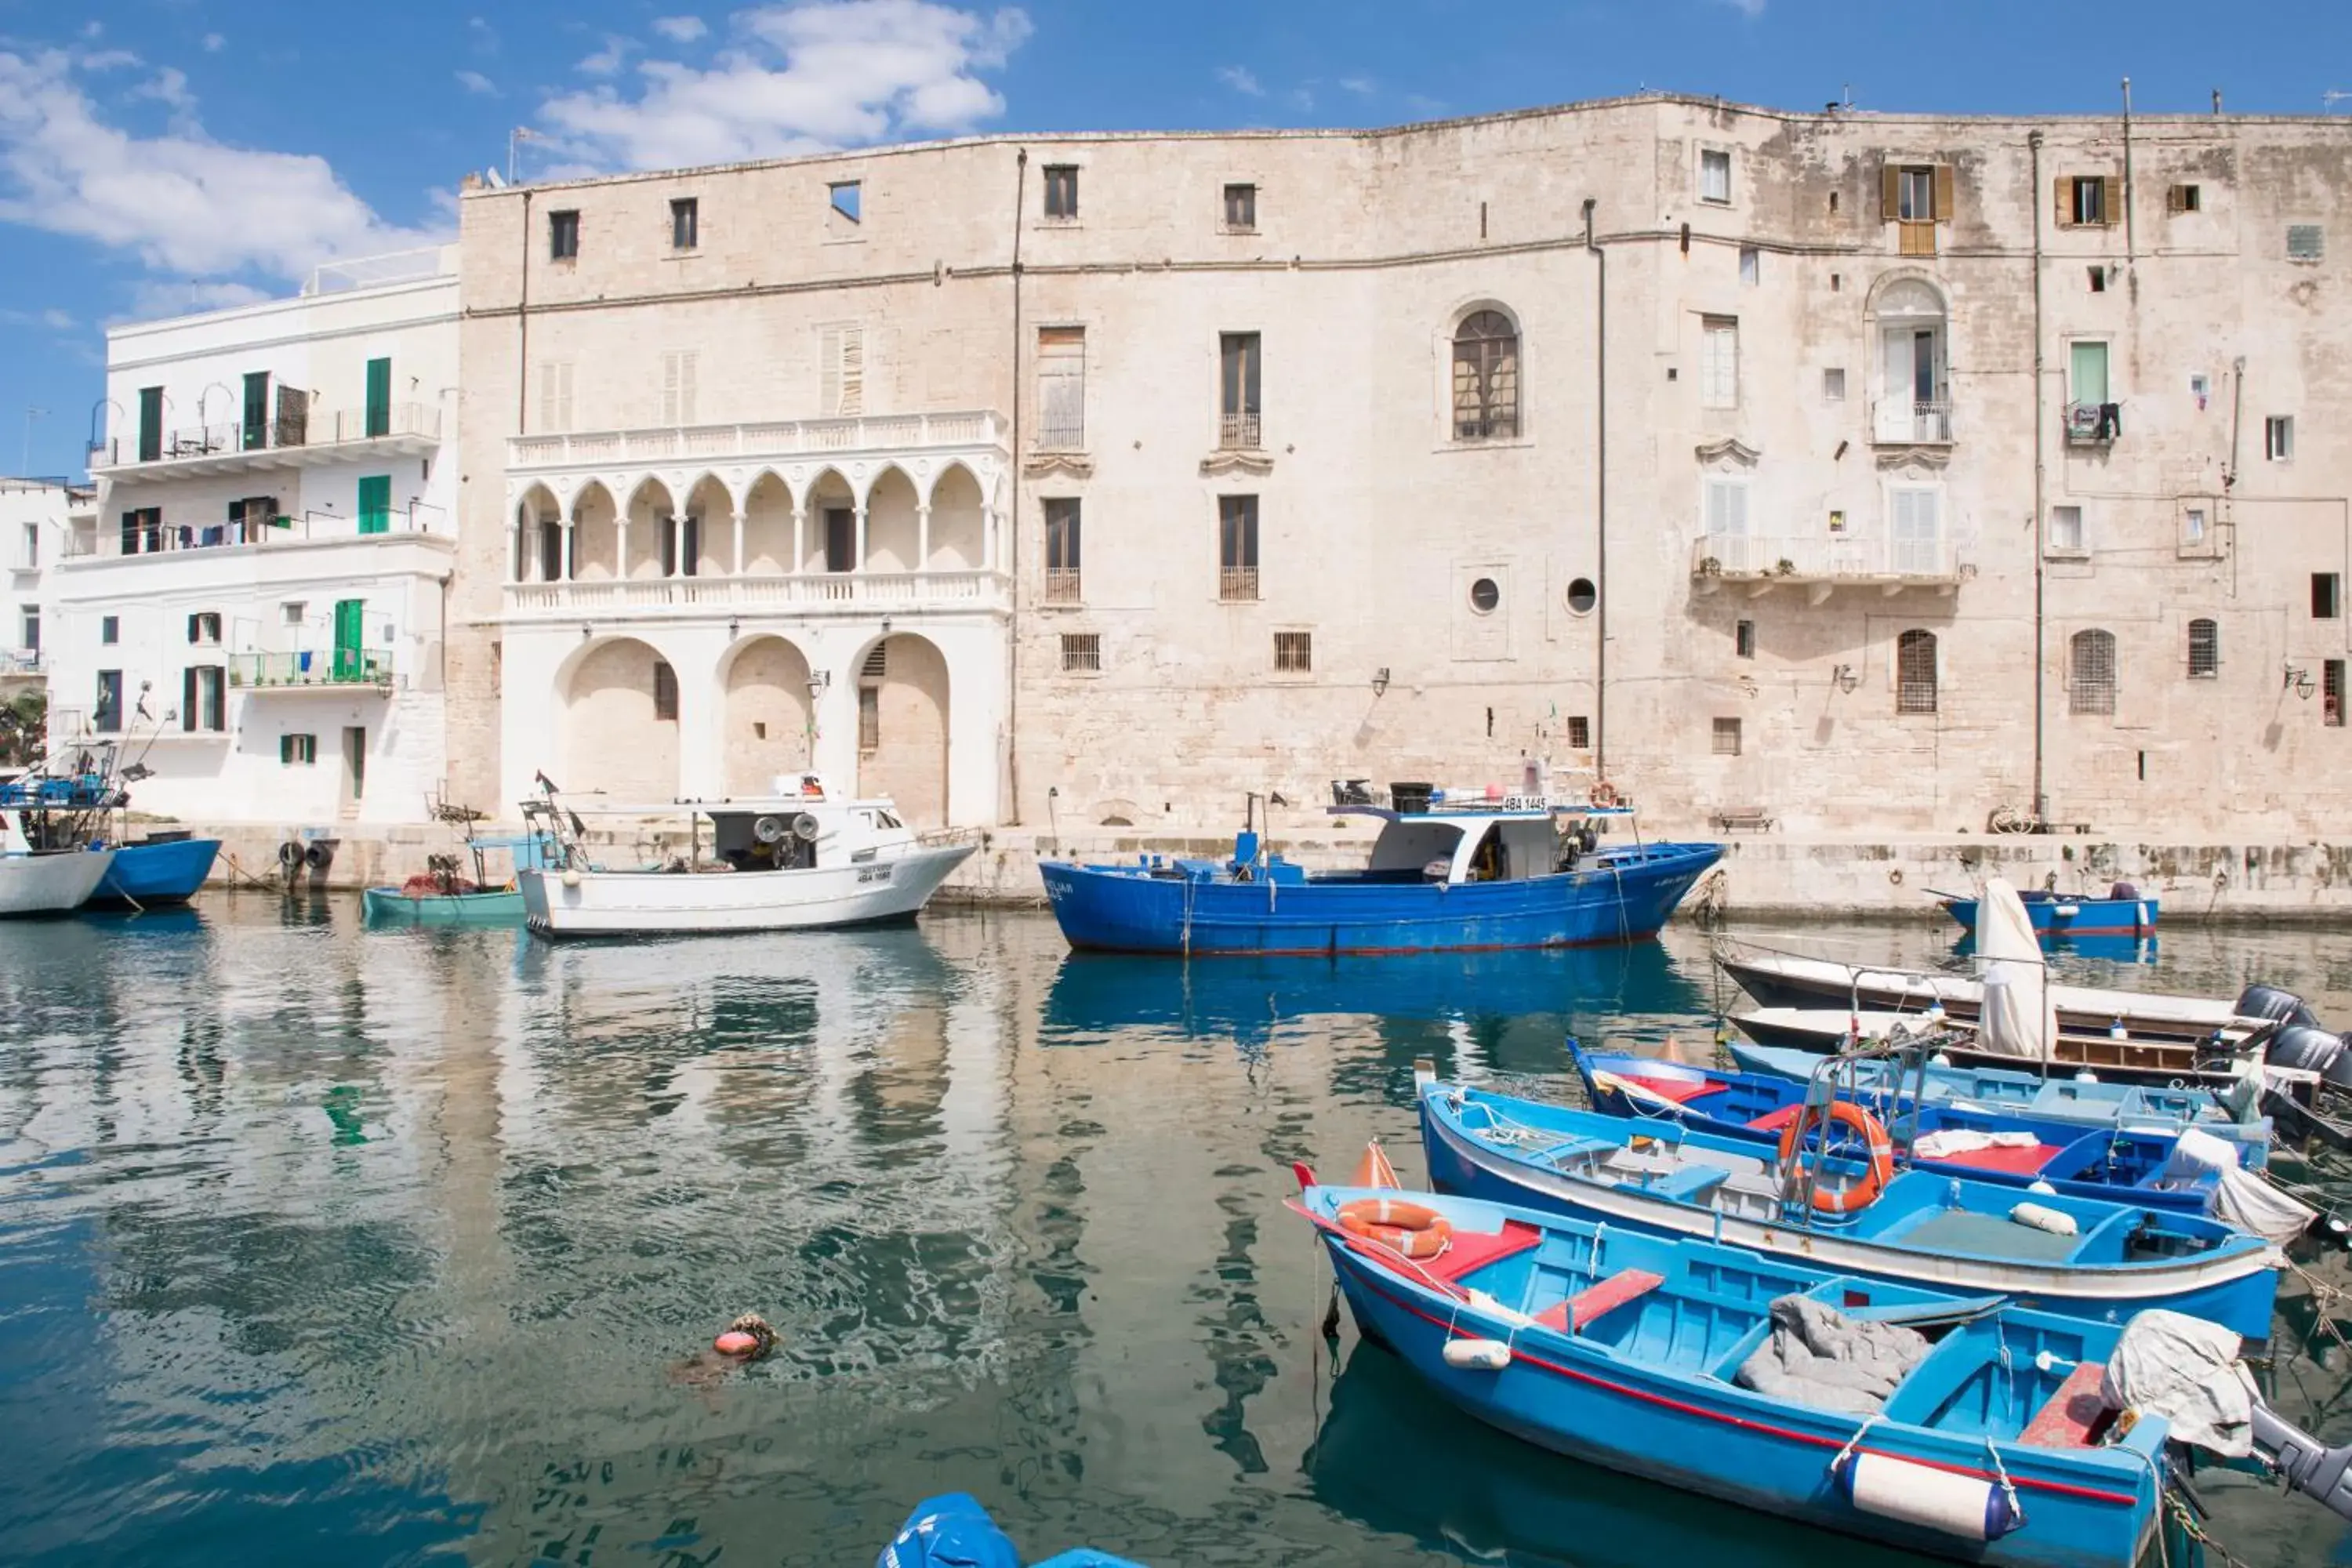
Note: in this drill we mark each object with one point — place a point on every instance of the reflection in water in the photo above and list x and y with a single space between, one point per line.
375 1244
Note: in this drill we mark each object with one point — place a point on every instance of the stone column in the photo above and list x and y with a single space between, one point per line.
739 544
621 546
987 538
859 564
570 562
923 537
517 569
800 541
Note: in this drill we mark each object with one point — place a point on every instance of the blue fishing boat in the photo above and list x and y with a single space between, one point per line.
1916 1227
162 867
1515 872
2108 1163
2123 912
1959 1426
2084 1102
440 895
953 1531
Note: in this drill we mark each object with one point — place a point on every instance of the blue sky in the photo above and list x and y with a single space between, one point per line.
159 155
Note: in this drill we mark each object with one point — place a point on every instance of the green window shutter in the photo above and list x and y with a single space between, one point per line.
379 397
349 617
255 432
375 503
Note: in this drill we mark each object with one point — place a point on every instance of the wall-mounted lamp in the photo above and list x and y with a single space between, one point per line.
1381 681
2298 678
734 626
885 625
584 632
818 680
1845 676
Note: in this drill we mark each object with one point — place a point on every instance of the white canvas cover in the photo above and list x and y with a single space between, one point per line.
2244 1198
2185 1370
2019 1017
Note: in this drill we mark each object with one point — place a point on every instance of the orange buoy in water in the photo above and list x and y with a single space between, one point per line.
734 1342
1374 1170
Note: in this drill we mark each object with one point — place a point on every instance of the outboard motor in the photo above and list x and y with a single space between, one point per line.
2302 1462
2271 1002
2310 1050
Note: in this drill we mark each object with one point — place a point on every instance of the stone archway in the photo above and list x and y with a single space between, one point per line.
902 727
620 723
767 715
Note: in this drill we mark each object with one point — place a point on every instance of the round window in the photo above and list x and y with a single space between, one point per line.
1484 596
1582 596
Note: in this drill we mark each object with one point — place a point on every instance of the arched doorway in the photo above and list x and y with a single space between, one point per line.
620 723
767 715
902 727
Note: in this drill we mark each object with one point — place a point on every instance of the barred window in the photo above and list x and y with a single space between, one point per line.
1580 732
2204 648
665 691
1727 737
1082 651
1914 672
1486 378
2092 668
1294 651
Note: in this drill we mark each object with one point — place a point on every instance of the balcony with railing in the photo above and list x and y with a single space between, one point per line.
1237 584
1819 565
170 533
20 661
869 433
812 592
1902 421
1239 432
1062 585
341 668
2092 423
315 436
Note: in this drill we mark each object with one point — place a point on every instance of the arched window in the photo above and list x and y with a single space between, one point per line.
2204 648
2092 672
1914 672
1914 399
1486 378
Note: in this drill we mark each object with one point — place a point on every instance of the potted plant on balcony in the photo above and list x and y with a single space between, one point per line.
1784 568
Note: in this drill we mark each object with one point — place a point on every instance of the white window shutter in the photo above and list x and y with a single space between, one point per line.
853 370
686 387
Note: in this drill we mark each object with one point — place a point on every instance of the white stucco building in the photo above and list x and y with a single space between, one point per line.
258 607
38 518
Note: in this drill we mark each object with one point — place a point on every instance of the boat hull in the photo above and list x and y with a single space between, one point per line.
390 906
2237 1288
663 903
2055 917
1587 1404
1805 983
1621 896
2137 1059
147 874
53 882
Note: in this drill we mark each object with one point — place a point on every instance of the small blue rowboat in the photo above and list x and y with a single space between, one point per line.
2128 1107
2104 1260
1508 875
162 869
2122 913
1982 1435
2010 1150
953 1530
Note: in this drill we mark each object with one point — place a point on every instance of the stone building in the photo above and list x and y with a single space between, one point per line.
1950 466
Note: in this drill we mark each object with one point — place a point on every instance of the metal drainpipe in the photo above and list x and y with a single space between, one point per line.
1012 523
2131 248
1601 486
2040 797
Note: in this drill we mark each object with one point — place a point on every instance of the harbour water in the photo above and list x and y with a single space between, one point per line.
325 1244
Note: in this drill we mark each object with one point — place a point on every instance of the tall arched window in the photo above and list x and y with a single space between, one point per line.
2204 648
1486 378
1914 672
2092 672
1913 398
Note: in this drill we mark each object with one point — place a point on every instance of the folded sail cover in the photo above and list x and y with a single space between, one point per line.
2185 1370
2242 1197
2019 1018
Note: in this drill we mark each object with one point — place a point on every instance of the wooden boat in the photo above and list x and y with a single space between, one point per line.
2125 1059
2006 1150
1781 981
1511 871
81 809
441 895
953 1531
1981 1435
1923 1227
806 861
162 867
2064 1102
50 881
2124 912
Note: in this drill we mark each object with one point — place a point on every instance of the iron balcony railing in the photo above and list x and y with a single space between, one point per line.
227 438
1898 421
1239 431
1062 585
1795 558
323 667
1237 583
2093 424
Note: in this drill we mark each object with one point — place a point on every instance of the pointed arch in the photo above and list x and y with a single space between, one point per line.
893 537
958 521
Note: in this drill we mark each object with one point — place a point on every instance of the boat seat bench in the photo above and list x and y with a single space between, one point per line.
1690 1184
2067 1417
1586 1307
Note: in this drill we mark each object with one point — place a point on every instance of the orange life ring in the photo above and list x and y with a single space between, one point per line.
1864 1192
1413 1230
1602 794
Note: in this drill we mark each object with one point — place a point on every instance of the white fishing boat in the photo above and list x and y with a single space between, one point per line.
51 882
806 859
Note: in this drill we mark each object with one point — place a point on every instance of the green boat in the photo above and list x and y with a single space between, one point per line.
441 895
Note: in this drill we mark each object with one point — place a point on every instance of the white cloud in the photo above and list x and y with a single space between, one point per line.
608 60
475 82
106 59
1242 80
169 86
1751 9
680 29
182 202
160 296
53 318
804 77
1361 86
215 43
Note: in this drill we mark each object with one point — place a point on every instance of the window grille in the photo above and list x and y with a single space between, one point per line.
2093 669
1294 652
1082 651
1914 672
1486 378
1727 737
2204 648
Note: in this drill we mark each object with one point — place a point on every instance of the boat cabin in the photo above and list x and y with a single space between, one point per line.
806 825
1470 847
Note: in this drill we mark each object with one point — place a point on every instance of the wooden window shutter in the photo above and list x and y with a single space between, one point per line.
2062 195
2175 199
1890 193
1945 204
2111 196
